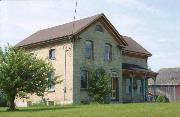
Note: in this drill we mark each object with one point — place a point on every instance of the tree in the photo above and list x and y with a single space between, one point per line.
21 72
99 86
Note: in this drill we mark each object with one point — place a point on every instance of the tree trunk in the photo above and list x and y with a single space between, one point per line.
11 98
12 104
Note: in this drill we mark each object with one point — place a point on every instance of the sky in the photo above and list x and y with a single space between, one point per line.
155 24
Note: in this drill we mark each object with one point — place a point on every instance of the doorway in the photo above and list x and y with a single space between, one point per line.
114 88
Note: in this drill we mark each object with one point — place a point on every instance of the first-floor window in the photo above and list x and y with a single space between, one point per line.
139 86
84 79
51 86
128 86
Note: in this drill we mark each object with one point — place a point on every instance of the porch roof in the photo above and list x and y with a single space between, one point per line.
136 69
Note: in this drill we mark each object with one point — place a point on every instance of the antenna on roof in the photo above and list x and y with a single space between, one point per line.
74 18
68 50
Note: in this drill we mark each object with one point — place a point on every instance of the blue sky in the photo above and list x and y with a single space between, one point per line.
155 24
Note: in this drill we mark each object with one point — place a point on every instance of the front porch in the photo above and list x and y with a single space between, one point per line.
135 83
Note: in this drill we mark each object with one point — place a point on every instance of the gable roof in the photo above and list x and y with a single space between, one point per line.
133 46
168 76
65 30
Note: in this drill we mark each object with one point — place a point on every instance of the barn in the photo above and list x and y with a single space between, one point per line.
166 83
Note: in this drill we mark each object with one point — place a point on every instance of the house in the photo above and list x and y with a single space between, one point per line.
167 83
89 43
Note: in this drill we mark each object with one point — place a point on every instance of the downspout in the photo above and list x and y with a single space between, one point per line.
65 75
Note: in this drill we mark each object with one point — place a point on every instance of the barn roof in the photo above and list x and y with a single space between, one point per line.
168 76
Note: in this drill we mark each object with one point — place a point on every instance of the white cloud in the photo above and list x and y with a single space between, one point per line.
137 5
19 19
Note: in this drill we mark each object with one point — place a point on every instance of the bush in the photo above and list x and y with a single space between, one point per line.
3 100
162 99
99 87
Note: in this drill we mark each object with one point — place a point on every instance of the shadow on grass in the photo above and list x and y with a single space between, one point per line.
37 109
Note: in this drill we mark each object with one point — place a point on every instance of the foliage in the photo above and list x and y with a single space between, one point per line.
99 86
22 73
3 100
162 99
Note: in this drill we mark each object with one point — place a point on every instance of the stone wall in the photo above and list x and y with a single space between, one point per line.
80 62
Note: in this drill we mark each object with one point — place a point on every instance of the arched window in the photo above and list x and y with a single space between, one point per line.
99 28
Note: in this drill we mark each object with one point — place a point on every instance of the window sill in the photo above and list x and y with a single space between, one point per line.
83 89
51 90
52 58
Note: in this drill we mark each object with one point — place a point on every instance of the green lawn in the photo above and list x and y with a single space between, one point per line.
97 110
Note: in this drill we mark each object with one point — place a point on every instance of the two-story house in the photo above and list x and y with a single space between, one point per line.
89 43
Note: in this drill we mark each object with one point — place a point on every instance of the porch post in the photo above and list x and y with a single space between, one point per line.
132 78
144 87
154 87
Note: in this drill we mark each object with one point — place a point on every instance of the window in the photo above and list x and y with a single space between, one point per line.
98 28
139 86
128 86
89 49
51 86
84 79
52 54
108 52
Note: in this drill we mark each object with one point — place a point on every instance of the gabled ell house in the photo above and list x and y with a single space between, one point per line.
90 43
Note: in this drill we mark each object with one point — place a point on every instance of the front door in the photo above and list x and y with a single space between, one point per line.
114 88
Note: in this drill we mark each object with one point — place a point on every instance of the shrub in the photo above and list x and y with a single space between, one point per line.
162 99
99 86
3 100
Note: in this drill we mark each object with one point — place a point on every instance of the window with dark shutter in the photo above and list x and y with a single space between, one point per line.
84 79
51 86
89 49
108 52
52 54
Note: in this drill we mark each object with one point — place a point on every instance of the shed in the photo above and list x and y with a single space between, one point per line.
167 83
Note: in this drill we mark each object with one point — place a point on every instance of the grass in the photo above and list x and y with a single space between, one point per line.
97 110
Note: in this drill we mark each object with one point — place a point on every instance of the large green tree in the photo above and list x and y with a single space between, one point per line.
21 72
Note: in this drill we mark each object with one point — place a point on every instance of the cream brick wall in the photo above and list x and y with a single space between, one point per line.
58 94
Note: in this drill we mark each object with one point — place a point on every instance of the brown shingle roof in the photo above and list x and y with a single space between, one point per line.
133 46
58 31
66 30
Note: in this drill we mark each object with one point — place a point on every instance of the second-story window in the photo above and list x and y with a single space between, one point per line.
52 54
108 52
89 49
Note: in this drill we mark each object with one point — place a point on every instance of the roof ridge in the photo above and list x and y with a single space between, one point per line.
98 15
